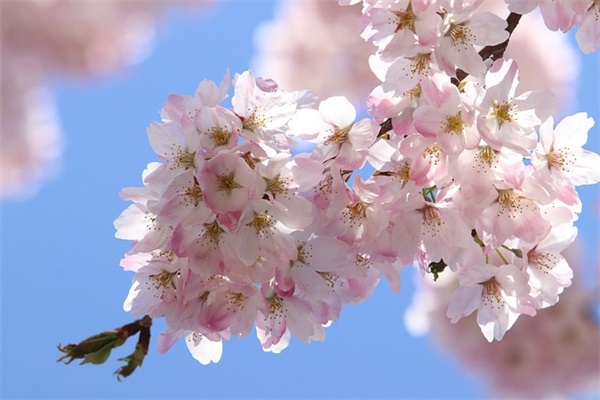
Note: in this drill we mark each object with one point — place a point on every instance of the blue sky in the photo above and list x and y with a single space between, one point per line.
60 274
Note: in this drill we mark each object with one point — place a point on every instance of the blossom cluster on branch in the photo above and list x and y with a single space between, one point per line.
233 230
289 50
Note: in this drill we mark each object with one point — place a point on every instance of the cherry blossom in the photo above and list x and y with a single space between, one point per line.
496 292
506 120
561 159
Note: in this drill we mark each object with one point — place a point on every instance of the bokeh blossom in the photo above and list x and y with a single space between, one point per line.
40 40
291 49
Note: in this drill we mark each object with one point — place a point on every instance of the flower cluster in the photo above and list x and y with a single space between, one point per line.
232 230
484 171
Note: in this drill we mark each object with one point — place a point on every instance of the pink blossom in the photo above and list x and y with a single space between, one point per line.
399 24
342 138
514 211
264 114
227 183
428 161
549 272
557 14
257 237
561 159
203 349
495 292
450 123
463 31
506 119
588 34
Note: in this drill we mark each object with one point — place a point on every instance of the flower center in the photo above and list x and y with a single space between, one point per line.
453 125
262 222
254 120
276 309
183 159
227 183
420 64
363 261
340 135
356 211
491 291
486 156
275 185
459 34
304 254
235 300
213 232
220 135
164 279
561 159
502 112
405 19
542 261
434 153
413 93
330 278
195 194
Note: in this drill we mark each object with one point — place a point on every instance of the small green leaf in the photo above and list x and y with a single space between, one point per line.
99 356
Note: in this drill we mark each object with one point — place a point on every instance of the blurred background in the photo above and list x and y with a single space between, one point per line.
81 81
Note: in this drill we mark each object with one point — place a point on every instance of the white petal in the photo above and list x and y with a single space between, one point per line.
202 349
338 111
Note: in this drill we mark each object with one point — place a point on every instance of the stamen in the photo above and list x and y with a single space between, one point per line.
227 183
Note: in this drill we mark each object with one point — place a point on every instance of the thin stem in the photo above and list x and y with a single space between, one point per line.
501 256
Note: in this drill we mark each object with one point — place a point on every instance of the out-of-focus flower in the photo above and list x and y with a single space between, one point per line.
315 44
553 354
78 37
30 140
40 39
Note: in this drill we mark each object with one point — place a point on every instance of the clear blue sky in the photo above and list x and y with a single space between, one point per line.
60 274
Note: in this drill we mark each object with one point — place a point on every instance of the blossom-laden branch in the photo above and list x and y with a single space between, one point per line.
97 348
492 51
232 231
